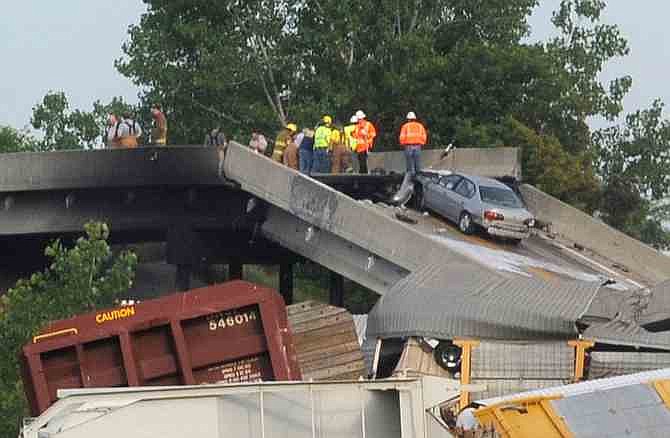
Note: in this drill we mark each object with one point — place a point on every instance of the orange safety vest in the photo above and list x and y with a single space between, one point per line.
413 134
364 134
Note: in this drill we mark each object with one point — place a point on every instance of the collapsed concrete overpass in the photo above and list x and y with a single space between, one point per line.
263 213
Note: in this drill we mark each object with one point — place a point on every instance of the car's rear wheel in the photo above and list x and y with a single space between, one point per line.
465 223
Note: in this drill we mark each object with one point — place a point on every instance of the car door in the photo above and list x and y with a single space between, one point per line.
446 200
430 189
463 192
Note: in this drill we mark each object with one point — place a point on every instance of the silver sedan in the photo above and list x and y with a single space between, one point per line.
474 202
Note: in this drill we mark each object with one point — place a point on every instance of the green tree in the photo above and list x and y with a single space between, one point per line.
78 279
634 162
225 63
552 169
12 140
583 48
63 128
264 62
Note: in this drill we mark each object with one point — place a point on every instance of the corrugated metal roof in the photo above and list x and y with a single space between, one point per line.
624 332
461 300
586 387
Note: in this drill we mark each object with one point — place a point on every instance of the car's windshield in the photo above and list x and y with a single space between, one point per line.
500 196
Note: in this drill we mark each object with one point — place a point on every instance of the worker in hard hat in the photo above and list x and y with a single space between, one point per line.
341 154
290 158
281 143
413 138
365 134
321 159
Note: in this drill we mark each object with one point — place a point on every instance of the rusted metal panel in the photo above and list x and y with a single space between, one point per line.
231 333
326 342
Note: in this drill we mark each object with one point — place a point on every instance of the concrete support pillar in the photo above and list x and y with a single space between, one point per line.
336 289
183 280
235 270
286 282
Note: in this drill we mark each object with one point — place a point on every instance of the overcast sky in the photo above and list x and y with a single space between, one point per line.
71 46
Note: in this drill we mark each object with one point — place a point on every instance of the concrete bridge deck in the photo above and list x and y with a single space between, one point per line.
203 209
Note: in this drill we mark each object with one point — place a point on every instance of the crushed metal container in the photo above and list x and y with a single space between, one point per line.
397 408
231 333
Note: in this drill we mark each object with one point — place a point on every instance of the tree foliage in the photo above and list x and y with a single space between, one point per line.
13 140
569 177
457 63
634 162
580 52
212 63
78 279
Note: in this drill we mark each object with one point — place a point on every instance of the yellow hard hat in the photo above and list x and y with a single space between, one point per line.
327 120
292 127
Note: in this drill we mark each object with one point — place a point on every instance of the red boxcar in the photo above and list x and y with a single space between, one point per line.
234 332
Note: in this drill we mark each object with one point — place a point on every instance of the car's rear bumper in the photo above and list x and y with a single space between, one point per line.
499 231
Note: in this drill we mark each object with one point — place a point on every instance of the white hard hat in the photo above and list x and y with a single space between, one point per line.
360 114
411 115
353 119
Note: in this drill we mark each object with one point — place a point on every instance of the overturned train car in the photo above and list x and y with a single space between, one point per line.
231 333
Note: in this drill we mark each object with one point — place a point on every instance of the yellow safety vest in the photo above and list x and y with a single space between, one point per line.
349 138
322 137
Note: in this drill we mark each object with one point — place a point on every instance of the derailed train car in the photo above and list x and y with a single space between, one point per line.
231 333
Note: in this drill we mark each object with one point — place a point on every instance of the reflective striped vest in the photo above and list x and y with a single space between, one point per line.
413 133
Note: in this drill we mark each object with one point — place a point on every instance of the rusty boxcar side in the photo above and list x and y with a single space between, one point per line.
233 332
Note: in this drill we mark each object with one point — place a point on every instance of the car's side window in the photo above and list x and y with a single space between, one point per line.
466 189
450 181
